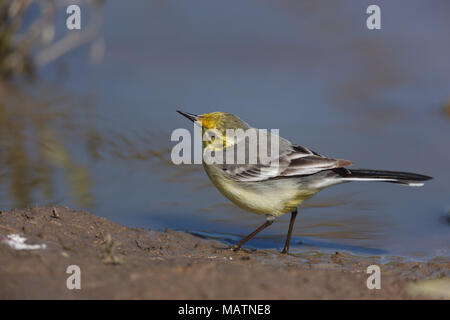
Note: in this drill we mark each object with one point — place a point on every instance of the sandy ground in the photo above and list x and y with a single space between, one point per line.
118 262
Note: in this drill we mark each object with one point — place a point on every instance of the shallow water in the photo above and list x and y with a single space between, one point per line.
99 138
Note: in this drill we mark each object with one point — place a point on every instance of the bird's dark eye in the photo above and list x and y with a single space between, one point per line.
224 169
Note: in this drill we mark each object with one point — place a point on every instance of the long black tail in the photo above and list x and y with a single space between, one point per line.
406 178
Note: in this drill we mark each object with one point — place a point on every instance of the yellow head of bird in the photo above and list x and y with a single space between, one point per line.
215 125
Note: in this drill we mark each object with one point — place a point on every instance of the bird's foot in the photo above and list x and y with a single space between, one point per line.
285 251
235 248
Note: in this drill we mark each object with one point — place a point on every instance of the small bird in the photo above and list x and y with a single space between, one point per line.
274 190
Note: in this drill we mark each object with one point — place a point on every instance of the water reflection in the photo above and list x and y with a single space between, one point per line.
34 124
445 110
44 134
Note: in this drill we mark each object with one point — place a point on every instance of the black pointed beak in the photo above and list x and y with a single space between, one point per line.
190 116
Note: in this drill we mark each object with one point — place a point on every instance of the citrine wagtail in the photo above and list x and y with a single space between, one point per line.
274 190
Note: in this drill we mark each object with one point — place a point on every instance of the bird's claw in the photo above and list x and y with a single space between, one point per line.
235 248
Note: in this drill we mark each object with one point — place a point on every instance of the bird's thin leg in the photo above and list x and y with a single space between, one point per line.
291 226
251 235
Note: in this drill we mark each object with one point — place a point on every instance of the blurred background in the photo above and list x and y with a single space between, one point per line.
86 116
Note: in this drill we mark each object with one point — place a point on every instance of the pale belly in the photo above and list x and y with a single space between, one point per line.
272 197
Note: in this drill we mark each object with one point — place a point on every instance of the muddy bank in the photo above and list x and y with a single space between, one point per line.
120 262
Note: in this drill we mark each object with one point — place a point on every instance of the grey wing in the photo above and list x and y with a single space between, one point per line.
293 160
